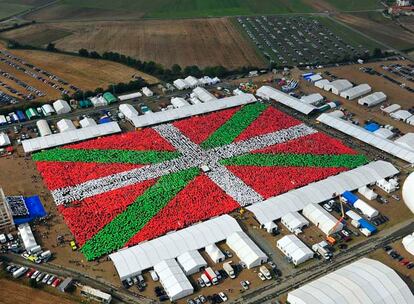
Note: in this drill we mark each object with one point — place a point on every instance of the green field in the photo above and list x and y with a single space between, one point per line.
355 5
194 8
10 8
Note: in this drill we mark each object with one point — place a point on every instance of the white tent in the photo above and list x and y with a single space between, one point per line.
180 84
3 120
322 83
192 81
191 262
368 193
43 127
87 122
98 101
61 107
274 208
65 125
128 110
179 102
367 137
372 99
4 140
47 110
132 261
401 115
356 92
27 236
194 100
392 108
384 133
406 141
204 95
326 222
314 78
173 279
408 243
364 281
312 98
247 251
130 96
366 209
215 254
338 86
407 192
294 221
267 93
147 92
294 249
410 120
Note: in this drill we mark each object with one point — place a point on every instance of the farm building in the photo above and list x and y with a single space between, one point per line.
215 254
128 110
47 110
132 261
72 136
364 281
173 279
312 98
109 97
408 243
191 262
247 251
356 92
180 84
407 192
43 127
294 249
147 92
372 99
322 83
65 125
130 96
338 86
401 115
392 108
406 141
4 140
268 93
294 221
204 95
61 106
367 137
326 222
87 122
179 102
6 217
274 208
27 236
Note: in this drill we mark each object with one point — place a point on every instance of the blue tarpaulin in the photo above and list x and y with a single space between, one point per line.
104 120
36 210
350 197
372 127
365 224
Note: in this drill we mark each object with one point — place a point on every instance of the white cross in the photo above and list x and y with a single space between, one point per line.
192 156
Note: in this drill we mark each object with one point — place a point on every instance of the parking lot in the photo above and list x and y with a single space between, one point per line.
297 40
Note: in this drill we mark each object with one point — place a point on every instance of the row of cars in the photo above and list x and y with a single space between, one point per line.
398 257
214 298
40 277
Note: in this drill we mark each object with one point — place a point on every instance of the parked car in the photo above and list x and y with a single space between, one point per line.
223 296
261 276
244 285
56 282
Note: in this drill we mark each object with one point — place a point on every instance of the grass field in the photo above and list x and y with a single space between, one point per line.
10 7
353 5
39 37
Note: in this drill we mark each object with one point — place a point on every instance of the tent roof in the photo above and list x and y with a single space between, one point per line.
392 108
290 101
276 207
27 236
339 84
373 99
294 219
408 243
401 114
60 139
367 137
364 281
359 90
191 260
133 260
4 140
173 279
294 247
406 140
174 114
320 217
203 94
247 251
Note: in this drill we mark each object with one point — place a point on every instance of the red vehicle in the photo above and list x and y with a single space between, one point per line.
56 282
30 272
405 262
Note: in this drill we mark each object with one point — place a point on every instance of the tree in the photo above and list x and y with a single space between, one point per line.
51 47
176 69
83 53
33 283
65 97
95 55
377 53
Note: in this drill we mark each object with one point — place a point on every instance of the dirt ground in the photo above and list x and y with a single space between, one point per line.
202 42
379 28
87 74
14 292
395 93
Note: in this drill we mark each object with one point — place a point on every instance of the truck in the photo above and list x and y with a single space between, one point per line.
3 238
321 250
19 272
206 280
211 275
229 270
46 255
265 272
